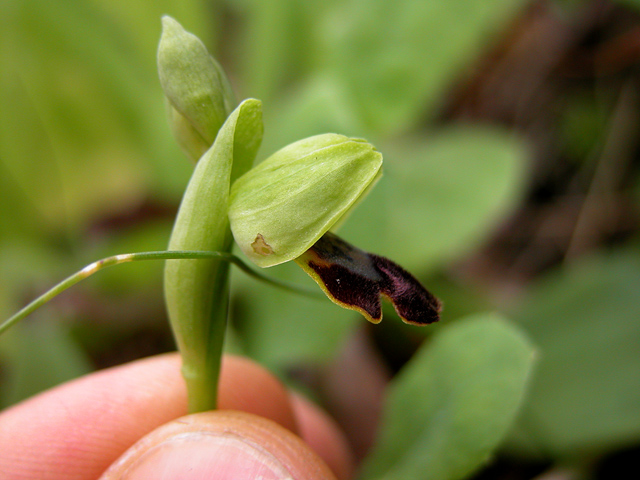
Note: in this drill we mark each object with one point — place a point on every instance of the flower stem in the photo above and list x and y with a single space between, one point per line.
201 357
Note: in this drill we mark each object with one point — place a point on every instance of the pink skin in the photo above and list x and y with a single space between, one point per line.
77 430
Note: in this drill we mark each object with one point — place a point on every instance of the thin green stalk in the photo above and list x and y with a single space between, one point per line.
141 256
201 361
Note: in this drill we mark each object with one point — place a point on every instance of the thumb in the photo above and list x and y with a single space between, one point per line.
220 445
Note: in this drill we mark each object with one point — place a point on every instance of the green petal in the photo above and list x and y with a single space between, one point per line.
283 206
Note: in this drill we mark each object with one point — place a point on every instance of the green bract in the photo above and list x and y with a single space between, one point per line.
281 207
196 290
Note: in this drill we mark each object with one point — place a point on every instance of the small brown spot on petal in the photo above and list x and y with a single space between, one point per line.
261 247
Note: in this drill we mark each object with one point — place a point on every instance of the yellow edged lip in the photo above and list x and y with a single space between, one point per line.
355 279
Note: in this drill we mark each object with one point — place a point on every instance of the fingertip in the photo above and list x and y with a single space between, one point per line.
76 430
220 445
249 387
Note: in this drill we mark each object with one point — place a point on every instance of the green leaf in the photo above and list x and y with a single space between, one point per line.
398 58
282 206
585 395
439 197
450 407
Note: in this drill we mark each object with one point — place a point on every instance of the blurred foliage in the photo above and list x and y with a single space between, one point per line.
452 403
584 320
43 355
510 136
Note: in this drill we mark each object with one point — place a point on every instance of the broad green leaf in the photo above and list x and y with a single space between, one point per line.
440 197
450 407
398 58
585 395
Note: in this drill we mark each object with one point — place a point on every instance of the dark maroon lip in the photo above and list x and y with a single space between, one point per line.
357 279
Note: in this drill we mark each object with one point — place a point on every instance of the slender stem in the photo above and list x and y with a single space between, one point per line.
140 256
201 356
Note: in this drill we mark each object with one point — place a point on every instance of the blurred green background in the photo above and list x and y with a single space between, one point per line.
510 134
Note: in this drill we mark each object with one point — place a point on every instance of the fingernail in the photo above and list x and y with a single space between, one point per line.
207 456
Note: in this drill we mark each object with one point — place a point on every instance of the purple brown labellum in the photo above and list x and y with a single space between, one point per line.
355 279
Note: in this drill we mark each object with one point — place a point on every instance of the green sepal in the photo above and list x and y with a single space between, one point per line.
283 206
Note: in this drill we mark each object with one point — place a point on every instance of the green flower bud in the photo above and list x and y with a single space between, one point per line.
190 141
194 84
280 208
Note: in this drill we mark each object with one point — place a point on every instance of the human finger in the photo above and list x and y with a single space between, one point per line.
75 431
220 445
